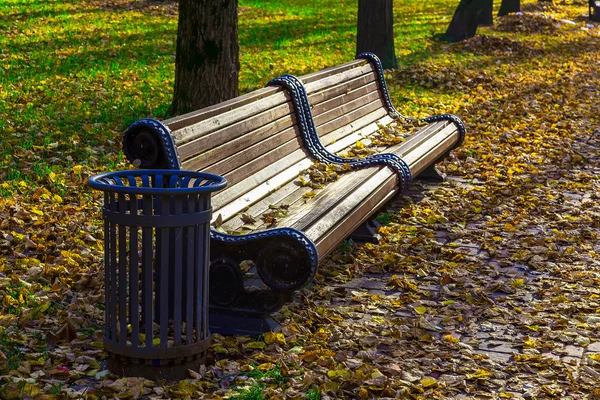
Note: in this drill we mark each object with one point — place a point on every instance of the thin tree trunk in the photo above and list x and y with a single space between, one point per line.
486 16
466 19
509 6
376 30
207 58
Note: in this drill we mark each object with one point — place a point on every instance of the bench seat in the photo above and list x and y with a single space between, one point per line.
336 210
262 142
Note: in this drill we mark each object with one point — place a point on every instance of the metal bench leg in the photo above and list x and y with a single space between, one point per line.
367 232
430 174
278 261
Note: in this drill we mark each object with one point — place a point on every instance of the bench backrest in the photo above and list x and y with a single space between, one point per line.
359 104
254 140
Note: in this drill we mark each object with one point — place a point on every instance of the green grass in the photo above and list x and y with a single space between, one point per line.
254 392
74 74
313 393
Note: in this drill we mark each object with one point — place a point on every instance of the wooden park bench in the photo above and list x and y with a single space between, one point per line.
307 160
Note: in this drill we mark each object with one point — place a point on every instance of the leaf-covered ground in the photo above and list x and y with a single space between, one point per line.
485 286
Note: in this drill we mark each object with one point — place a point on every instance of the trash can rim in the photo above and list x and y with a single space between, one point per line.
216 182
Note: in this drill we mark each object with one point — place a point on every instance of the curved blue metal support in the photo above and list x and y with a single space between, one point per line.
161 132
313 143
376 62
298 237
454 119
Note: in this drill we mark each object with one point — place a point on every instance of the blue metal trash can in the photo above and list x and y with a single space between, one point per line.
156 262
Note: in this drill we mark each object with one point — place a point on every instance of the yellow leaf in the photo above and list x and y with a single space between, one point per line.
338 373
256 345
517 283
264 367
37 212
359 145
427 338
389 259
272 337
479 374
534 328
45 305
17 236
363 393
427 382
309 195
57 199
77 169
451 338
376 374
220 350
420 310
595 356
52 176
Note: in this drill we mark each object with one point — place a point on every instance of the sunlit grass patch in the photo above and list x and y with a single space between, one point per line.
75 74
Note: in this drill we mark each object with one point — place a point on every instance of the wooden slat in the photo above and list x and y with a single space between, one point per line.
423 134
345 125
318 97
348 100
432 149
333 80
247 169
344 142
198 116
243 187
260 184
289 194
256 165
296 192
204 127
195 117
196 153
280 114
328 198
275 131
321 226
254 155
313 76
333 237
353 109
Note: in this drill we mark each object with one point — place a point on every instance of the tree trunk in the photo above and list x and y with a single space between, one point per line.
376 30
486 17
466 19
509 6
207 59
